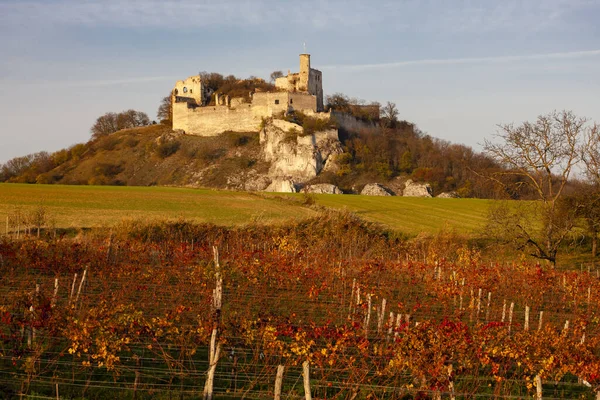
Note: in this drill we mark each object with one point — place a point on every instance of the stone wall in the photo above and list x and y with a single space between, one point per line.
315 87
303 101
238 116
265 104
214 120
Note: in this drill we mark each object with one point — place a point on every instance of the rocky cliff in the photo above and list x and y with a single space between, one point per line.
295 156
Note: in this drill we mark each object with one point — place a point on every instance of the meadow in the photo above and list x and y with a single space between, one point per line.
102 206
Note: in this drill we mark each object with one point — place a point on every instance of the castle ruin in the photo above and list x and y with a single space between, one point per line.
194 113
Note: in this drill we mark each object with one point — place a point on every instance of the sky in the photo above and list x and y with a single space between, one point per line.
455 68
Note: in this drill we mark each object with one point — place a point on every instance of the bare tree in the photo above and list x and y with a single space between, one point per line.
389 115
274 75
104 125
542 154
590 153
165 110
112 122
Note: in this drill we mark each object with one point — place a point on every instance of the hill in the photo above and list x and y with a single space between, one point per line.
366 152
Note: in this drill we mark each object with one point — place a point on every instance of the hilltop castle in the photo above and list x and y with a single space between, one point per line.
194 113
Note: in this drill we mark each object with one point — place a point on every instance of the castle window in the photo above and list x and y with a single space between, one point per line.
184 89
190 90
291 101
277 101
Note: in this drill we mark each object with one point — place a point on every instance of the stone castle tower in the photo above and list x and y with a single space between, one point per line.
308 80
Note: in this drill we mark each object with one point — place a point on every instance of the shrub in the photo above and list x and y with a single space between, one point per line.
131 141
108 170
167 149
108 143
238 139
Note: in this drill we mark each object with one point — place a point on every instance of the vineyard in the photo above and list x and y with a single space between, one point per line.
328 308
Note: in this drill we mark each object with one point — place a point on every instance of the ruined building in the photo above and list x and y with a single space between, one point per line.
193 114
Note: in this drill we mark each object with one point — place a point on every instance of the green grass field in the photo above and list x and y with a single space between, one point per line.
93 206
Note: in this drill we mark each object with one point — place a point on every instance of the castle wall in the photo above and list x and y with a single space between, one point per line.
214 120
315 87
302 101
265 104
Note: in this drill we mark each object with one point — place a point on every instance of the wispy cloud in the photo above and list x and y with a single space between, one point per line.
93 83
407 15
468 60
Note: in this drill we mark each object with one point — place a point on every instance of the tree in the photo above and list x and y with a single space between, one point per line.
542 154
213 80
165 110
585 204
104 125
112 122
338 102
15 167
389 115
587 198
590 153
275 74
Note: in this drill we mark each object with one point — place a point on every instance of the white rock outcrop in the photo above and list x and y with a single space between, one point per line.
413 189
448 195
322 188
282 185
295 155
376 189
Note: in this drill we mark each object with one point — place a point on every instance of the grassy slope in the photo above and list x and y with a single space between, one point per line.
86 206
413 215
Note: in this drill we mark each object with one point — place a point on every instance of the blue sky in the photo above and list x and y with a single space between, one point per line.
455 68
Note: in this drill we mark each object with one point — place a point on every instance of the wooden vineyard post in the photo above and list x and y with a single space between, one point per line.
478 305
381 316
350 306
504 311
538 387
487 310
55 294
73 288
451 383
368 316
526 326
81 284
510 315
471 306
215 348
306 376
278 382
540 322
390 326
398 321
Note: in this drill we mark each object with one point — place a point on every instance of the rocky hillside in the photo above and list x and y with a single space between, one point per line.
288 154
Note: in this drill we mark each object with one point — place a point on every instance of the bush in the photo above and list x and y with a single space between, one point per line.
167 149
131 141
239 139
108 170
